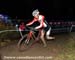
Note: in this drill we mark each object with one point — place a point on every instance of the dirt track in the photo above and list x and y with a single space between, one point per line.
54 48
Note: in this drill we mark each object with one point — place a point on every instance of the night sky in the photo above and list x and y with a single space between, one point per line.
49 8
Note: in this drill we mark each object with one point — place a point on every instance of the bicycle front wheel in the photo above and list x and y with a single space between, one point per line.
24 43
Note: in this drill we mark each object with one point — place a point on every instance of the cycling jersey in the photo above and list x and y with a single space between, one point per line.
40 19
22 27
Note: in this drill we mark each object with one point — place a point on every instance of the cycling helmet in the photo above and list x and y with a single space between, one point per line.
35 12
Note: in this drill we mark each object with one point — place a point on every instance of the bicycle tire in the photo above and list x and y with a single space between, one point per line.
22 46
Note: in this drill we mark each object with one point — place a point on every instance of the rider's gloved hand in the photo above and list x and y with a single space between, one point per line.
36 28
26 24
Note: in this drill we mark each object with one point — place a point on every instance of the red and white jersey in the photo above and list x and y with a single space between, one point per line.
21 27
40 19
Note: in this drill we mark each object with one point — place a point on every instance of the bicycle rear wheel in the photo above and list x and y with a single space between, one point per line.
22 45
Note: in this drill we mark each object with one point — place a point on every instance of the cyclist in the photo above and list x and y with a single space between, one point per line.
43 26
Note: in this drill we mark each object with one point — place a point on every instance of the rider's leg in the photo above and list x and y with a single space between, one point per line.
48 33
42 38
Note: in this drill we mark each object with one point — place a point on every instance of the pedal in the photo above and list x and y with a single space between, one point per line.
26 41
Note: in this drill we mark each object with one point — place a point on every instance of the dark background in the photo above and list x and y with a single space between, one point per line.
52 9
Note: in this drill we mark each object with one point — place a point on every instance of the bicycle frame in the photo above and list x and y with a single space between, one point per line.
36 38
30 35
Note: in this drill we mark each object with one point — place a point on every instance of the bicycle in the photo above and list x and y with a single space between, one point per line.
29 39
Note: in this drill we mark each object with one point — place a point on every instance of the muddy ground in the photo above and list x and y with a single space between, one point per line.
62 48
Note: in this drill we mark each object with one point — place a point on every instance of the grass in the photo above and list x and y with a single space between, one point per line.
7 37
68 51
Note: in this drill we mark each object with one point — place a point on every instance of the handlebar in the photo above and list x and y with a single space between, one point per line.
31 28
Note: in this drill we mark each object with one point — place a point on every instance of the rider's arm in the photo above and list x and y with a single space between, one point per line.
30 23
41 22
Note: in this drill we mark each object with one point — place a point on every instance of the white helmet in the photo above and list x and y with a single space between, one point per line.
35 12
